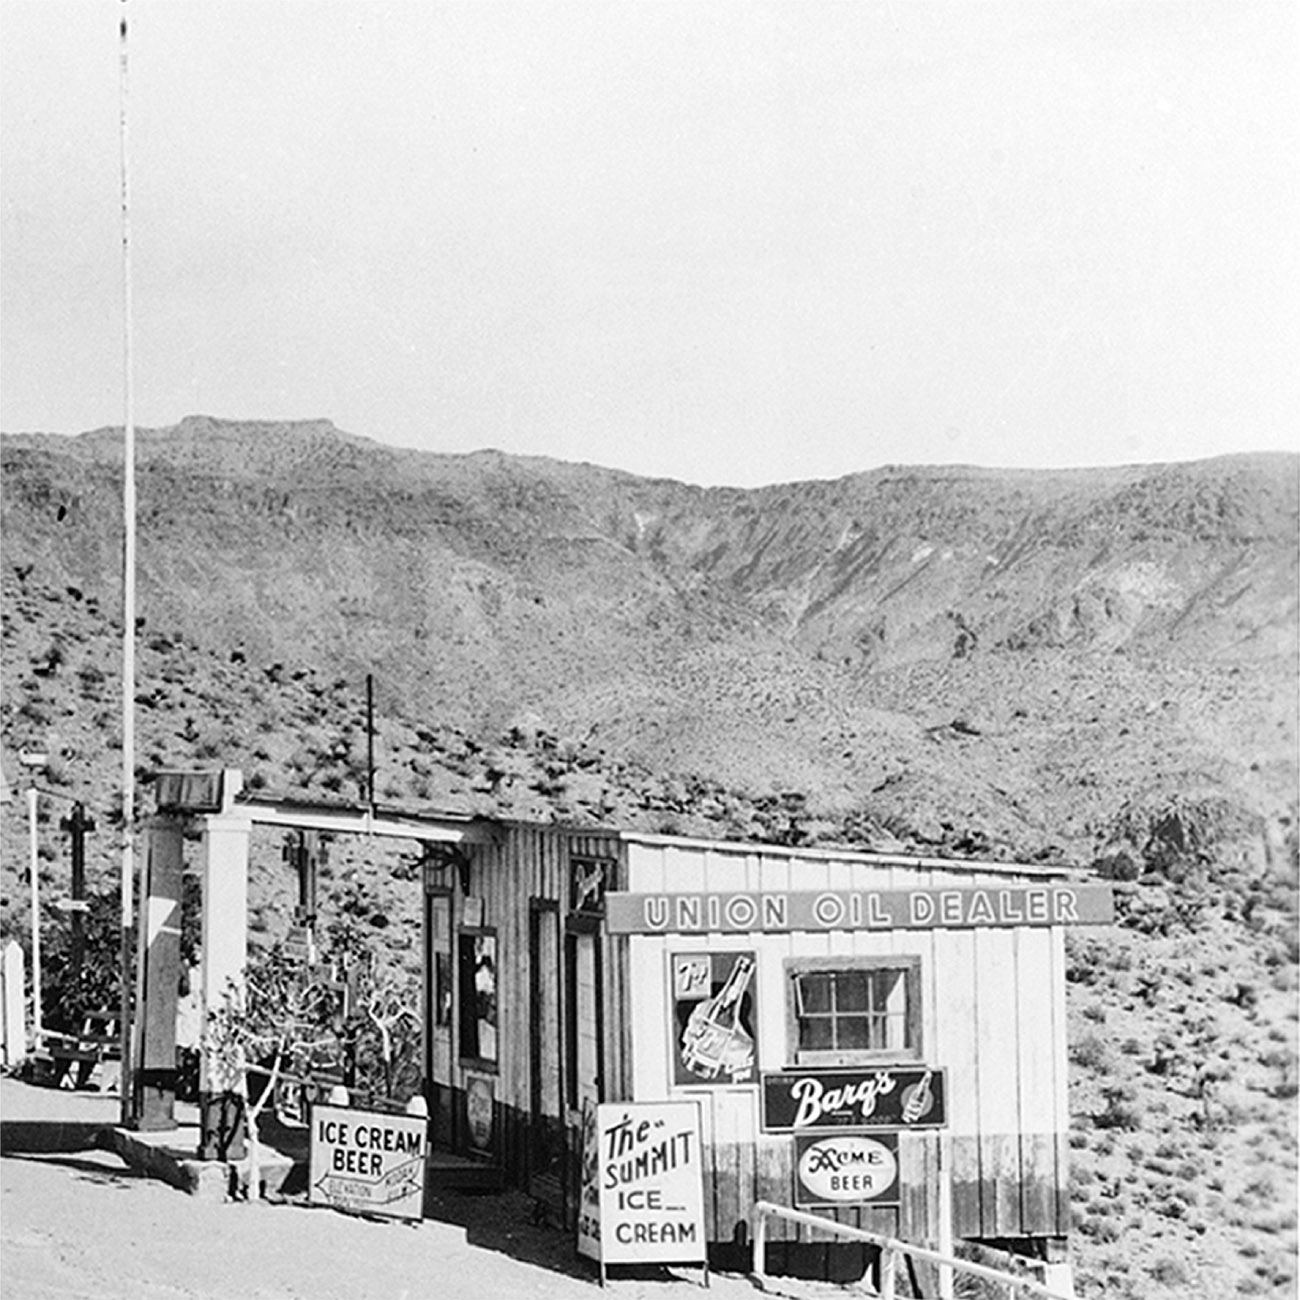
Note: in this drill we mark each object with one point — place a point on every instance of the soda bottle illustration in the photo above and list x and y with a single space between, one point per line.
714 1041
918 1099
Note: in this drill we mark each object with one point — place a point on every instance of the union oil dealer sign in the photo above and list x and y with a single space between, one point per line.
860 909
368 1162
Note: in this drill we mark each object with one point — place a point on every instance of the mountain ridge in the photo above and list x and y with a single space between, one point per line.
749 634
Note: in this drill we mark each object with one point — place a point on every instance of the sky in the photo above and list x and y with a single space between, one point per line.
723 242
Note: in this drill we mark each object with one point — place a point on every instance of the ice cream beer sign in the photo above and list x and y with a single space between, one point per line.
367 1162
895 1097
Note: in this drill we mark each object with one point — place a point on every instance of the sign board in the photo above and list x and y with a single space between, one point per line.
868 909
195 792
713 1018
367 1162
480 1111
846 1169
890 1096
649 1172
589 1185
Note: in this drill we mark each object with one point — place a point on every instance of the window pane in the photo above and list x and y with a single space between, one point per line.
853 1033
851 990
815 1034
816 993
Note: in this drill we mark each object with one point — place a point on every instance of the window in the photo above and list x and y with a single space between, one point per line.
847 1010
477 985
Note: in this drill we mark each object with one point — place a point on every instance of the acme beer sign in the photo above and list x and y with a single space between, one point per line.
903 1097
864 909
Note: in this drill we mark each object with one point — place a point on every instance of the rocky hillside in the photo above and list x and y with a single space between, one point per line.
819 637
1097 667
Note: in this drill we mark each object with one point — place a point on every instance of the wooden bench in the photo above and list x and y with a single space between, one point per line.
97 1042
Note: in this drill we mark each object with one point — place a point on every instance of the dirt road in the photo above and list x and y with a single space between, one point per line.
83 1225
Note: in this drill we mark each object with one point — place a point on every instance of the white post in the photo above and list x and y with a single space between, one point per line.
224 951
759 1266
946 1283
1059 1277
11 994
34 860
888 1273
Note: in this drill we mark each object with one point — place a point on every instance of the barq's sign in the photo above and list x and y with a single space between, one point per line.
870 909
902 1097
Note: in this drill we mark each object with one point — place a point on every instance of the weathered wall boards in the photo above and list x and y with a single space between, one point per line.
880 1036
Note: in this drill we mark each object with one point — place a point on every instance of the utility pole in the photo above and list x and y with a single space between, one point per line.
77 825
127 882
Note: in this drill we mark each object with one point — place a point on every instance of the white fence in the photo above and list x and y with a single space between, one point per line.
892 1253
13 1033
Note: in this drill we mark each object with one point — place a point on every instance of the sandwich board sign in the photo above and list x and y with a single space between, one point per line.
368 1162
647 1164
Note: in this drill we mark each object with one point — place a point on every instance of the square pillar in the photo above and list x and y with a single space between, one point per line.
154 1078
222 959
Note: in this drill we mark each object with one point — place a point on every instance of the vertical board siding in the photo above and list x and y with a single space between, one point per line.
523 863
1060 1065
992 1016
1035 1068
997 1037
952 1045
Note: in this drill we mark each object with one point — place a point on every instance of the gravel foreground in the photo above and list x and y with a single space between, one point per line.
84 1225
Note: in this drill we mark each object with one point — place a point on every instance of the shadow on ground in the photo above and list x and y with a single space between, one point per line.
101 1167
508 1222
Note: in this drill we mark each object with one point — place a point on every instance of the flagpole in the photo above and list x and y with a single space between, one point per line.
128 603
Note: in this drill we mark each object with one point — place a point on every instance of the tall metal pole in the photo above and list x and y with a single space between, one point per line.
128 600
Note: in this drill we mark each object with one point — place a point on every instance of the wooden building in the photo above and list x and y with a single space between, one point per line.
802 996
879 1037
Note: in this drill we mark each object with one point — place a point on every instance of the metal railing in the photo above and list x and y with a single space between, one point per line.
892 1252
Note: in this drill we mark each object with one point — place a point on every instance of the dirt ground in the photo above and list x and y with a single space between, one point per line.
82 1224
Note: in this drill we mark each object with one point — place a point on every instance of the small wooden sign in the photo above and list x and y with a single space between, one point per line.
889 1096
368 1162
846 1169
649 1172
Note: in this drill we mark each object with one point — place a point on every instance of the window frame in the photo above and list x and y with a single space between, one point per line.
465 993
910 967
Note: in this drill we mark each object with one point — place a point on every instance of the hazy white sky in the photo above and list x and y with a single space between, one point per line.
733 242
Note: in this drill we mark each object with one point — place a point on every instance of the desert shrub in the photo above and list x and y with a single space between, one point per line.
91 677
1100 1227
1091 1051
1119 1111
1170 1271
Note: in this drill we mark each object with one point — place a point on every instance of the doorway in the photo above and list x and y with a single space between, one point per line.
545 1055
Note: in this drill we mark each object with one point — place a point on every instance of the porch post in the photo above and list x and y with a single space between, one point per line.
154 1080
224 858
